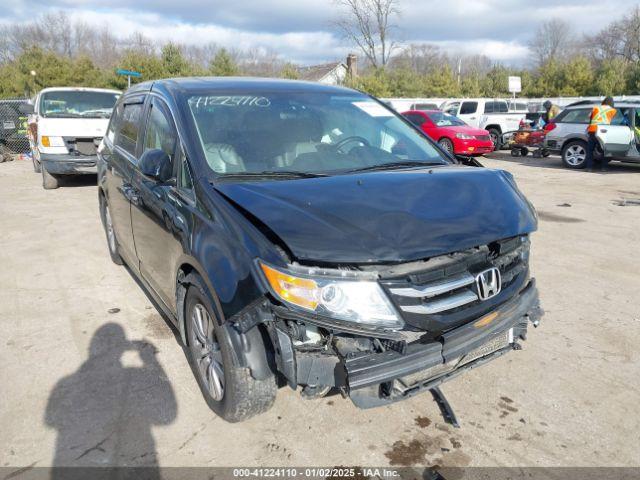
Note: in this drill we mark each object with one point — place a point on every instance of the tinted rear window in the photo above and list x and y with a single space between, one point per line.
416 119
128 127
578 115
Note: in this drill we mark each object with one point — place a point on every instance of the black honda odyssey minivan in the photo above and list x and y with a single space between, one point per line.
308 235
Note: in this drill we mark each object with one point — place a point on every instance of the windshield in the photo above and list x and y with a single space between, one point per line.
308 133
442 119
71 104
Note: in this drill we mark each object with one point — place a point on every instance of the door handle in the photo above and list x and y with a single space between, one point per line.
175 199
131 194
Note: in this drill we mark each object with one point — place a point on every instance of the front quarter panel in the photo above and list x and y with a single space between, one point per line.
223 247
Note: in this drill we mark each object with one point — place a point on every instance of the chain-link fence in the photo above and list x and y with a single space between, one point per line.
13 129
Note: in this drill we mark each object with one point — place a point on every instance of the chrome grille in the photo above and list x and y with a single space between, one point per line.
443 294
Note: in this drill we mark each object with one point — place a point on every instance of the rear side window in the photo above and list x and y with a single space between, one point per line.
489 107
468 108
501 107
416 119
578 115
128 127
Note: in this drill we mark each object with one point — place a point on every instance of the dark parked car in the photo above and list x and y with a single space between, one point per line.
309 233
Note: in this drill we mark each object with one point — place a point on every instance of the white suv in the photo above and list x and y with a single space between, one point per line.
567 135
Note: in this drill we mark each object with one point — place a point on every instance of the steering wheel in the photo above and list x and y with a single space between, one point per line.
347 140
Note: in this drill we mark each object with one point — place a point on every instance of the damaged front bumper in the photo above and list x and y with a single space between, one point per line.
390 376
377 378
60 164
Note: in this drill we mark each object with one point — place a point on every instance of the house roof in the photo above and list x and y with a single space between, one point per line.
315 73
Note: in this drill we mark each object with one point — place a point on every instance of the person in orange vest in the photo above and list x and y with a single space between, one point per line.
600 115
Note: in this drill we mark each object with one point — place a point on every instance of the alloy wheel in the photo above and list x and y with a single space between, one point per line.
446 145
206 351
575 155
111 235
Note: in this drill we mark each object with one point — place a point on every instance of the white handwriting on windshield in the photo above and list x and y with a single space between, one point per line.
230 101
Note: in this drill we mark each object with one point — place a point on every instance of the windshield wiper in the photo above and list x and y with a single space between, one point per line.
62 115
274 174
97 113
394 165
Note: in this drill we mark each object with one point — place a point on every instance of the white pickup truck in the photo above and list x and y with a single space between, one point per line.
491 115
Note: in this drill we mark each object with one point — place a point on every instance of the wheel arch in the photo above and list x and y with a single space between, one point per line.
187 266
567 141
251 349
231 292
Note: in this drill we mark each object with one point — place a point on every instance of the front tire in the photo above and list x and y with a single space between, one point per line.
230 391
446 145
496 136
574 154
107 223
49 181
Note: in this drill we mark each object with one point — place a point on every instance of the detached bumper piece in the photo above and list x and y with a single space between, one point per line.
376 379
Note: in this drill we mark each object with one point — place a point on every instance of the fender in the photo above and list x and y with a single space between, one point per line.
250 348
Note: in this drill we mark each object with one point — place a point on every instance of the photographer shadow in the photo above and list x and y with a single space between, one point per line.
104 411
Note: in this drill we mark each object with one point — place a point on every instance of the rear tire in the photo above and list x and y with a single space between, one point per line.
107 223
574 154
49 181
230 391
524 151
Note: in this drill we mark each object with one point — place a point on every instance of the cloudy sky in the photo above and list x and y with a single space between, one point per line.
300 30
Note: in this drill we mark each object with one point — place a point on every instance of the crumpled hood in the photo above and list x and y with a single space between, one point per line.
387 216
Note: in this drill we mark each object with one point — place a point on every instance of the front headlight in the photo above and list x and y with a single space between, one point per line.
51 141
343 295
464 136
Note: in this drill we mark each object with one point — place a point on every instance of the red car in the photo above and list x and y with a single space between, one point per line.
451 133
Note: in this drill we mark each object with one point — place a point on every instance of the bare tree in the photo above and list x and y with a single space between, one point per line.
422 58
620 39
367 23
552 41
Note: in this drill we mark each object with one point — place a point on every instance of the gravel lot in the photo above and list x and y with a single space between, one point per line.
570 398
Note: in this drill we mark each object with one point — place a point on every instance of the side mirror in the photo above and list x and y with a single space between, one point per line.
156 164
26 108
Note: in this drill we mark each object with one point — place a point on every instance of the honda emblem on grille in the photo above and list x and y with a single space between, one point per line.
488 283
